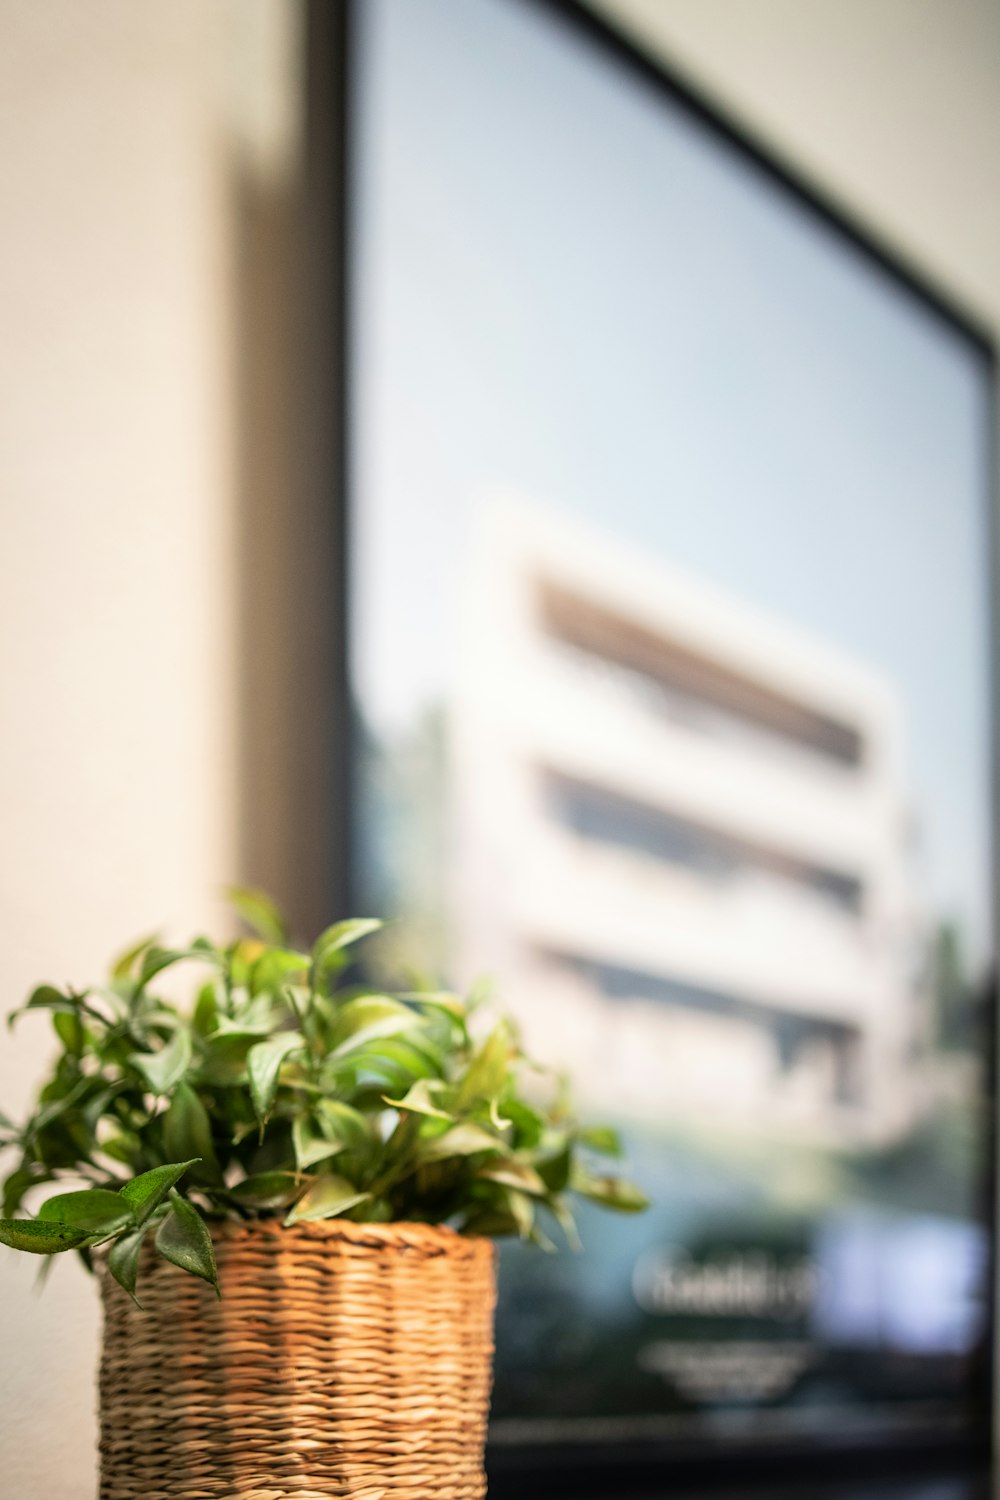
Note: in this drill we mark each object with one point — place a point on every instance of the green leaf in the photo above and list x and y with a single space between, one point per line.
420 1098
554 1170
274 967
327 1198
490 1069
187 1133
310 1145
70 1030
205 1017
239 959
99 1103
158 959
341 935
373 1211
499 1122
397 1155
444 1000
610 1192
523 1210
260 913
538 1237
123 965
429 1061
45 997
94 1210
513 1174
601 1138
224 1061
527 1122
368 1019
393 1061
124 1148
145 1193
461 1140
495 1223
248 1029
268 1190
263 1064
258 1019
259 1013
40 1237
184 1240
563 1215
163 1069
123 1259
16 1185
443 1005
56 1101
341 1123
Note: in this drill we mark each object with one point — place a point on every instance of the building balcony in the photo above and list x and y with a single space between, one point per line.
755 938
752 787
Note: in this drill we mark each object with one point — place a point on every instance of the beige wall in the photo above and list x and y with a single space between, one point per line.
124 127
130 133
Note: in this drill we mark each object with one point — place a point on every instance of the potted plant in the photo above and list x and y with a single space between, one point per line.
329 1164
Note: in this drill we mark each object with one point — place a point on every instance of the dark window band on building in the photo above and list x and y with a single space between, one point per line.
597 814
671 665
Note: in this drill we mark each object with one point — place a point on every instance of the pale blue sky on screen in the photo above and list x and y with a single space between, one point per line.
564 286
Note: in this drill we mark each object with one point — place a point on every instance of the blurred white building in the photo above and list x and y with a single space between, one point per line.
678 832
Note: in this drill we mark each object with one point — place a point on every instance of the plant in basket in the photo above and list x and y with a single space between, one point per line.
328 1163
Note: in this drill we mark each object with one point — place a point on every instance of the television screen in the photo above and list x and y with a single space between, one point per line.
668 623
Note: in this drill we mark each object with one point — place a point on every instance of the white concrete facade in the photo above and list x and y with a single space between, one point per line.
679 830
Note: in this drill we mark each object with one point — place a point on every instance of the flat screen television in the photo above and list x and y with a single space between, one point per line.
666 546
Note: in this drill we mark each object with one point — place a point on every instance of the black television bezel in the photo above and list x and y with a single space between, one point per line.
332 82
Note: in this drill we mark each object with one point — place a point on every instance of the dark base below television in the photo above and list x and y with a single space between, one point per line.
914 1472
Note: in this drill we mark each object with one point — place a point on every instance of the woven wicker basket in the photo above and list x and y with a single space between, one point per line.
349 1360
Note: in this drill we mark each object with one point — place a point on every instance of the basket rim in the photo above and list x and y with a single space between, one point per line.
429 1238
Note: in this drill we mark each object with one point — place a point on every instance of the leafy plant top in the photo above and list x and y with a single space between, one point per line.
286 1090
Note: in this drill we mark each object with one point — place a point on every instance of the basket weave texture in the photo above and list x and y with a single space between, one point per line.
349 1360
